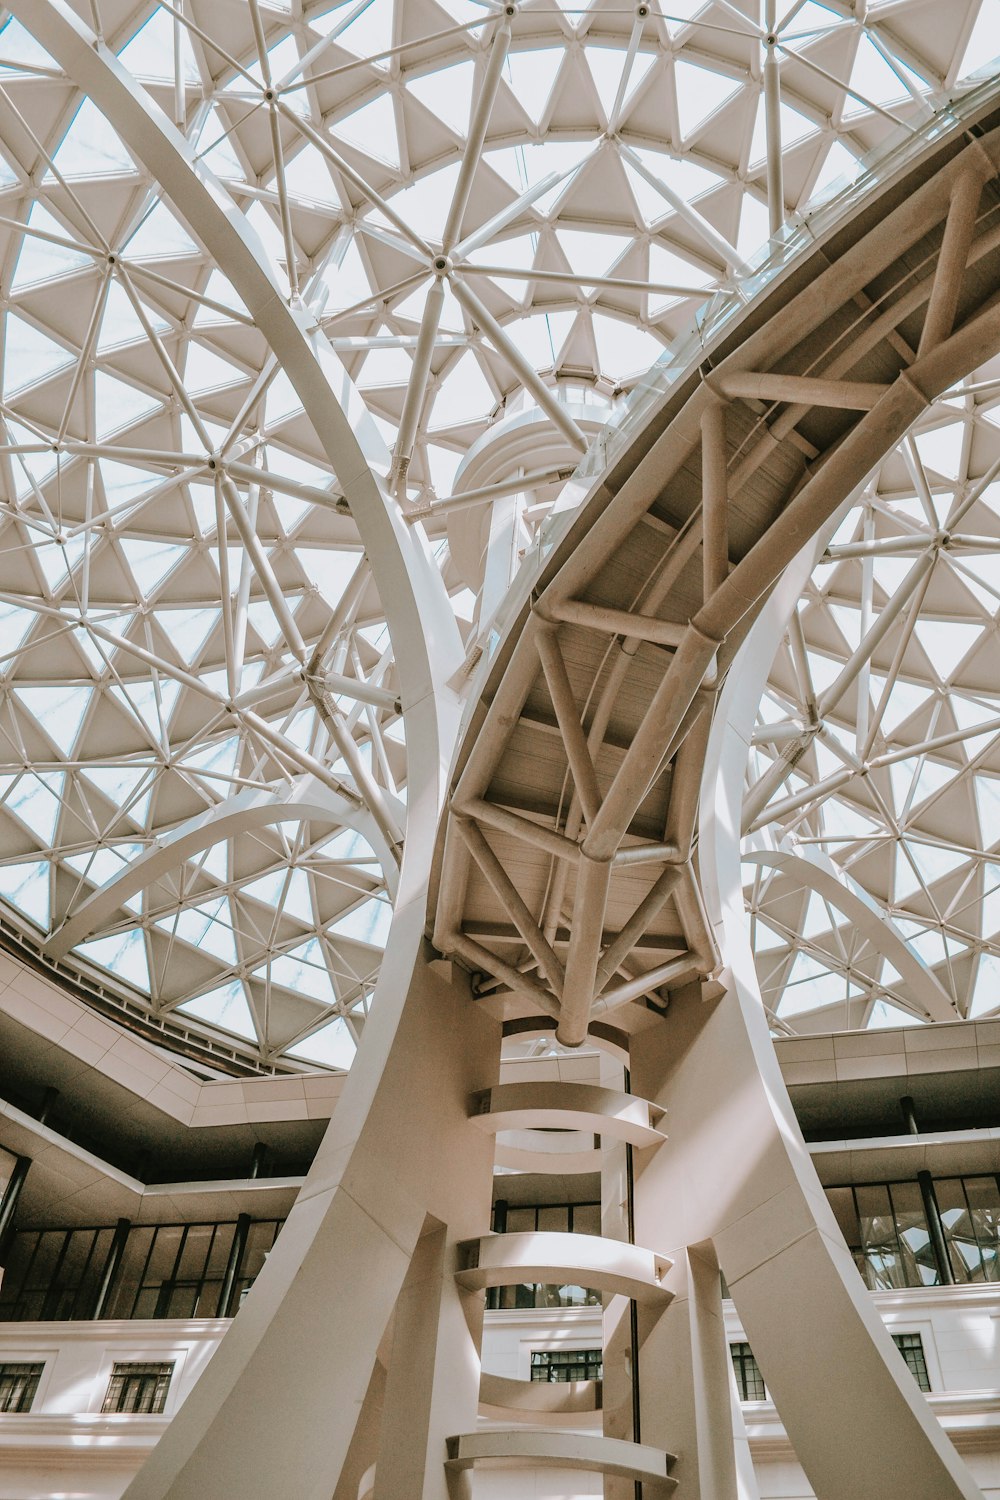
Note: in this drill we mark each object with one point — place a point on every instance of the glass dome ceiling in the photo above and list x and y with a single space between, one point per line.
875 772
486 213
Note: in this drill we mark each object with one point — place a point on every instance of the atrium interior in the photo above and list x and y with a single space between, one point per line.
499 749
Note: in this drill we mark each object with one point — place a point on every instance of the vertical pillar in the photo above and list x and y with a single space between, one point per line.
227 1296
433 1363
685 1378
400 1151
935 1228
620 1414
711 1370
8 1203
772 123
114 1259
258 1160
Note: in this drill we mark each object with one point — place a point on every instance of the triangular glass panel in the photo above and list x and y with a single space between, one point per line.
884 1015
839 169
765 939
941 449
15 623
843 821
150 53
225 1007
120 785
368 33
206 371
150 562
91 147
904 700
220 759
700 92
350 846
58 559
189 629
984 43
372 129
817 918
29 356
123 482
591 253
871 78
124 954
140 698
933 861
795 127
367 923
26 886
986 995
104 864
35 800
160 234
810 985
303 970
328 569
41 260
332 1046
447 93
208 927
988 803
464 396
947 642
120 323
532 75
118 405
59 709
287 889
17 45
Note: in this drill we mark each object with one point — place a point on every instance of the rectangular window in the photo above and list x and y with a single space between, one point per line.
911 1347
749 1380
560 1365
18 1384
138 1388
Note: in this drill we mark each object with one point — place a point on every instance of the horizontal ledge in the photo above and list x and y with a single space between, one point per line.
518 1447
567 1106
558 1400
554 1258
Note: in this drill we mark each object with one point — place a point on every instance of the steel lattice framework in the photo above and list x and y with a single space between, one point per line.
486 217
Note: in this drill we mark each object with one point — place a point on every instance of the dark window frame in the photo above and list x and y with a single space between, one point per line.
749 1380
911 1347
559 1366
138 1387
19 1381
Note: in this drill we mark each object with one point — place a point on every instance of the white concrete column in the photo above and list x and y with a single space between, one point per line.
684 1375
399 1148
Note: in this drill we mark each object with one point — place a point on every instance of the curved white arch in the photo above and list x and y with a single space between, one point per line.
819 873
304 799
421 623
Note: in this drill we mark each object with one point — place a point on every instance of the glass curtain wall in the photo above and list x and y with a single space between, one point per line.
165 1271
885 1227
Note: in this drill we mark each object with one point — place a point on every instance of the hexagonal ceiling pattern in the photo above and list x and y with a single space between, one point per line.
486 215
